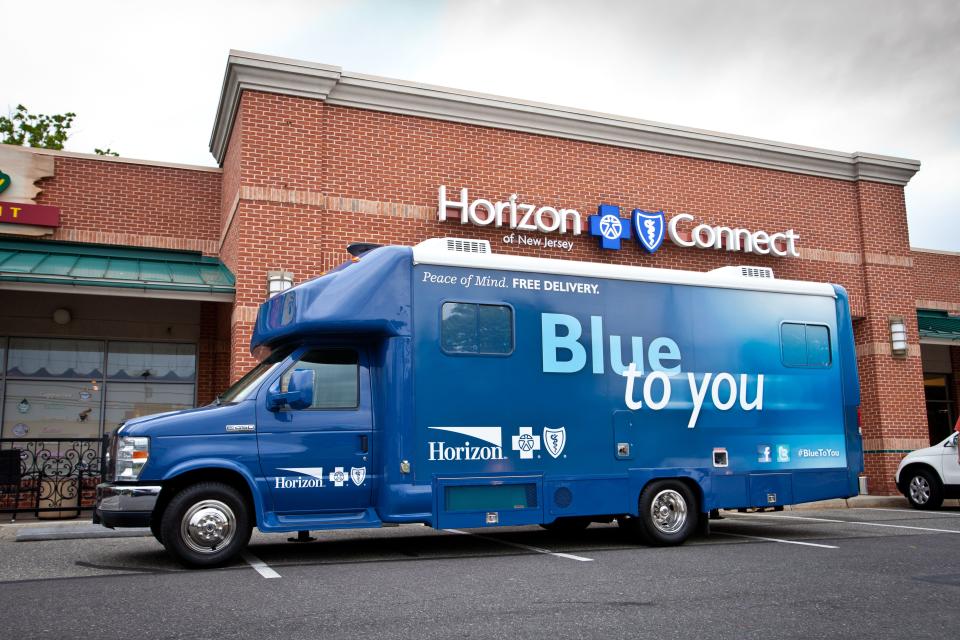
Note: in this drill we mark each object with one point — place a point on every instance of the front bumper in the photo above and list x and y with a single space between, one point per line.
125 505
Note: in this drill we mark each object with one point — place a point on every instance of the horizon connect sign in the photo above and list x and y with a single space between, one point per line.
649 228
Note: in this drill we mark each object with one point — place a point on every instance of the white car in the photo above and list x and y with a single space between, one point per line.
927 476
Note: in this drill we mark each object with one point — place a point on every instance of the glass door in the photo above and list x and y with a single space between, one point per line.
940 418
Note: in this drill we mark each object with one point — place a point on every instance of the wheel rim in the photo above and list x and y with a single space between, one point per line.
919 490
208 526
668 511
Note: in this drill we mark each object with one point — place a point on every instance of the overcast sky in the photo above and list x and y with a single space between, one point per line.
881 76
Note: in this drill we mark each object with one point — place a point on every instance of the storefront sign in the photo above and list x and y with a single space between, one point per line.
4 182
510 213
37 215
649 228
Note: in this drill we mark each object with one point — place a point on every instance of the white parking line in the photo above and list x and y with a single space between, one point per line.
915 511
866 524
259 565
568 556
805 544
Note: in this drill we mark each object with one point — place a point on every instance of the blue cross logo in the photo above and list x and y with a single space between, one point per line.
609 227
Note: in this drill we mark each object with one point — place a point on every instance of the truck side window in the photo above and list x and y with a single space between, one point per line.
805 345
476 328
336 378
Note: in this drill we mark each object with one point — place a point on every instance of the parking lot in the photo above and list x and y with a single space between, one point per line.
878 572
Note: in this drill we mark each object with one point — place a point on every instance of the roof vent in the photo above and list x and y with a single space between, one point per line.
744 272
467 246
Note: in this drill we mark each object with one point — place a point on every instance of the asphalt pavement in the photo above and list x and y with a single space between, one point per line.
850 573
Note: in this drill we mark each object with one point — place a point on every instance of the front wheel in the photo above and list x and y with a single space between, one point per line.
924 490
668 514
206 525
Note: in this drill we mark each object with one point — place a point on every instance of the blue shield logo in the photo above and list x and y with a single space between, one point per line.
649 228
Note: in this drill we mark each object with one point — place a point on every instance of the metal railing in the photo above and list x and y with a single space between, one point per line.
57 477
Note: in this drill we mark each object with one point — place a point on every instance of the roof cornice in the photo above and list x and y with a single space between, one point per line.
335 86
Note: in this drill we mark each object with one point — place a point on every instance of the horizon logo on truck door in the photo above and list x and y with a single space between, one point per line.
315 479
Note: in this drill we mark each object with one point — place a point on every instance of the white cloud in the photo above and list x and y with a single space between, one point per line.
862 75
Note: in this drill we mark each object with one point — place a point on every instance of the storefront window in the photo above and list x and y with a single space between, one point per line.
55 388
134 399
152 361
54 358
51 409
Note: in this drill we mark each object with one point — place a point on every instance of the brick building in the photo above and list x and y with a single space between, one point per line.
140 295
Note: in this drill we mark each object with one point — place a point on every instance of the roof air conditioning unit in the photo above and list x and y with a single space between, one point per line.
744 272
467 246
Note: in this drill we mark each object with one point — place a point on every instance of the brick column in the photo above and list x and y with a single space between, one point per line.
213 365
893 409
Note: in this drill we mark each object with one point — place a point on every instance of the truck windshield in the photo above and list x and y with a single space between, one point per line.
242 387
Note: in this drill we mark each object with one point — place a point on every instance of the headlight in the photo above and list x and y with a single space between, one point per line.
132 454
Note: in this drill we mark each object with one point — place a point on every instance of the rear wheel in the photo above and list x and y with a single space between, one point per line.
668 514
924 490
206 525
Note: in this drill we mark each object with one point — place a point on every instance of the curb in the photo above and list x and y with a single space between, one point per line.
77 532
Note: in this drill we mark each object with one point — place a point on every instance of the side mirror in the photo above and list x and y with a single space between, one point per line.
299 393
951 441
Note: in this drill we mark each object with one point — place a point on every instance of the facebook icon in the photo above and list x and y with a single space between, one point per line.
763 453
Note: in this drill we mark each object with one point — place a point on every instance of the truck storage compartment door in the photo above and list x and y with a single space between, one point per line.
487 501
771 489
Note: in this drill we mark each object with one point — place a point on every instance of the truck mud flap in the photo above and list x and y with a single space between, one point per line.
487 501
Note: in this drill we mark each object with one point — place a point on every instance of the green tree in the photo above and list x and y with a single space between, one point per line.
105 152
35 130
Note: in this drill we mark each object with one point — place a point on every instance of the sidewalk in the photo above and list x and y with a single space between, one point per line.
77 529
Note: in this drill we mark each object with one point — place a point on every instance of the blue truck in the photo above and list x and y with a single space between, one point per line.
446 385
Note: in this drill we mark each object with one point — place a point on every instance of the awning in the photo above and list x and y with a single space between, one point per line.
938 326
113 270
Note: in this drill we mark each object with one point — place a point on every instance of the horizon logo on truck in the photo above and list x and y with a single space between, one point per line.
313 481
439 450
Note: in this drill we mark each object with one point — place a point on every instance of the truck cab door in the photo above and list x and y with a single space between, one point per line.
317 459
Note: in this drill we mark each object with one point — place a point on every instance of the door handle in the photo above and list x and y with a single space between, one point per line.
364 444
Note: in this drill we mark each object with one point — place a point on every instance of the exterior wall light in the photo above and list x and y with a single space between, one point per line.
898 337
278 282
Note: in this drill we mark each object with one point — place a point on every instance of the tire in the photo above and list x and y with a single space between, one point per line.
923 489
206 525
668 514
567 525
